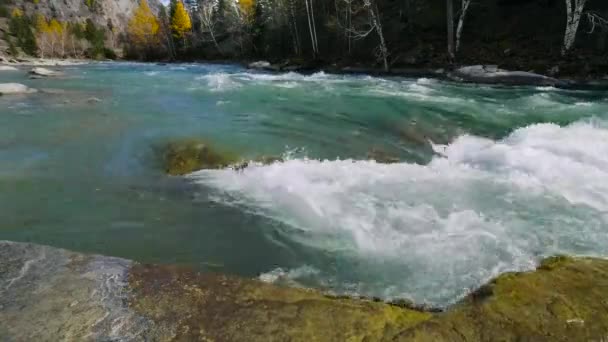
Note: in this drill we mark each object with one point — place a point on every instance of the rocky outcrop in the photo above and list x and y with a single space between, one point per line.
15 88
53 294
101 12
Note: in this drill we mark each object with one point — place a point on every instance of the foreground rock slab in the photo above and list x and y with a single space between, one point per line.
15 88
53 294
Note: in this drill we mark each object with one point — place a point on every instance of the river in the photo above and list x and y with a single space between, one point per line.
489 179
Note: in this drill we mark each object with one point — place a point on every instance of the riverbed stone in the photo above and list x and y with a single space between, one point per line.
189 155
8 68
44 72
15 88
491 74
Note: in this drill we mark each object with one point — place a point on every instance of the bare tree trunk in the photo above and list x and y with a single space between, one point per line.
573 18
450 25
350 25
314 26
296 37
374 13
310 25
463 14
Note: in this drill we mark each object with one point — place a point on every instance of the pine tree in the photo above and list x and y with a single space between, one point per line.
180 22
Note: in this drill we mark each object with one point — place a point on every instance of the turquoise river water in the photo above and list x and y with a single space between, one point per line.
490 179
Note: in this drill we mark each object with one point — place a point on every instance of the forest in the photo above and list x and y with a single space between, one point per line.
547 36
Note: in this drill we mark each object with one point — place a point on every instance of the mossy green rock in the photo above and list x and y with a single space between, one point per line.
49 294
563 300
186 156
187 306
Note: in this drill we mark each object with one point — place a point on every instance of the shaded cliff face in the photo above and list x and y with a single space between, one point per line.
53 294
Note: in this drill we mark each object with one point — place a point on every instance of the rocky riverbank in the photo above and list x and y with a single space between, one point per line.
479 74
54 294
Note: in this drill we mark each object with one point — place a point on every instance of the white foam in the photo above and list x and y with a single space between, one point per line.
289 276
482 208
219 82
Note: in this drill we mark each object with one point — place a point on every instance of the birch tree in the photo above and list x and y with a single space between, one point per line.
574 11
462 15
310 15
450 27
207 18
374 25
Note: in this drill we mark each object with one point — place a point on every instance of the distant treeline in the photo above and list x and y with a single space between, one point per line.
385 33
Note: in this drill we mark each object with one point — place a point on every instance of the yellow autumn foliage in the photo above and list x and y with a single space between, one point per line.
180 22
40 23
55 27
17 13
143 26
247 7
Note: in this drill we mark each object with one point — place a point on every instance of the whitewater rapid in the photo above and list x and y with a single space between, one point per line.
434 232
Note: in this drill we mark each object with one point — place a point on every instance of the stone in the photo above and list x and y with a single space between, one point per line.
491 74
93 100
8 68
15 88
186 156
117 299
43 72
259 65
382 156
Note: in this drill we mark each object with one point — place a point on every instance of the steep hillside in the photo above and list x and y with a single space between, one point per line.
109 16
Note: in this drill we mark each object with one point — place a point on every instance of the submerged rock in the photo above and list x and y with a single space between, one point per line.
53 294
382 156
186 156
15 88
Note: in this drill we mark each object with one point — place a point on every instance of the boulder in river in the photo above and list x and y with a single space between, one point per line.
43 72
8 68
15 88
53 294
186 156
259 65
491 74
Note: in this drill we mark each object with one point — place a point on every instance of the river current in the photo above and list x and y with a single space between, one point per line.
489 179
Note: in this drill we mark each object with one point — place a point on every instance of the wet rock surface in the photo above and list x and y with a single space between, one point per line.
185 156
53 294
